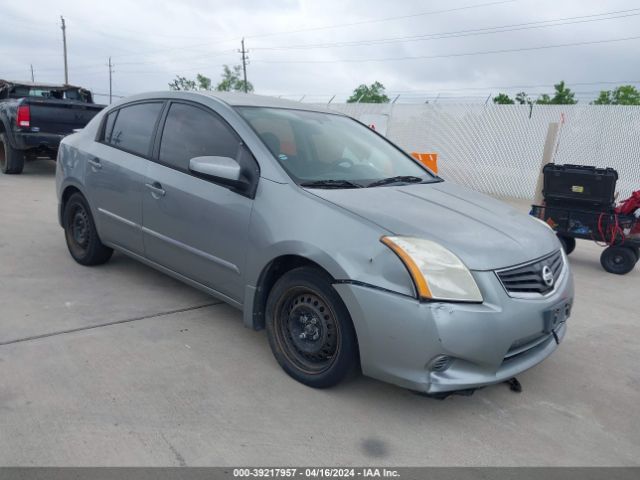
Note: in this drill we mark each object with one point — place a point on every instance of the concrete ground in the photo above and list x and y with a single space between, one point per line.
121 365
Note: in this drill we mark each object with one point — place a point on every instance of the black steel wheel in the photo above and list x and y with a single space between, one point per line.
619 260
80 233
309 328
11 160
568 243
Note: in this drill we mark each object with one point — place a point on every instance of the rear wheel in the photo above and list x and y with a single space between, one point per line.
309 328
80 232
618 260
568 243
11 160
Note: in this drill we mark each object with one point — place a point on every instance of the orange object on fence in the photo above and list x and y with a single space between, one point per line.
430 160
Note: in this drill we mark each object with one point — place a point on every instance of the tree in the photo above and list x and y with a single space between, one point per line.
523 99
563 96
204 83
622 95
543 99
373 93
231 81
182 83
503 99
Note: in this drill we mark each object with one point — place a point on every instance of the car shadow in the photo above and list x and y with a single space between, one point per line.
40 167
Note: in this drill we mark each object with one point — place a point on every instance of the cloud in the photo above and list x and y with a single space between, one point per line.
152 41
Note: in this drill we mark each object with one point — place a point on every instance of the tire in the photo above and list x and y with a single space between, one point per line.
80 233
618 260
310 330
11 160
636 250
568 243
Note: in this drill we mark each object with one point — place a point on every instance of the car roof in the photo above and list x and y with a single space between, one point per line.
233 99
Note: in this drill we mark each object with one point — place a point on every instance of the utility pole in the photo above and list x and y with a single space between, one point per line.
64 46
32 77
110 83
244 63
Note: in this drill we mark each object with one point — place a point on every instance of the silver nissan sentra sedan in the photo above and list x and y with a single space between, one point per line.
349 252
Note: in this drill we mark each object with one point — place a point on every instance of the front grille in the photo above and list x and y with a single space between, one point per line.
528 279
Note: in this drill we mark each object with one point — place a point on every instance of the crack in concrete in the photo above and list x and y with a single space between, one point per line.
100 325
174 450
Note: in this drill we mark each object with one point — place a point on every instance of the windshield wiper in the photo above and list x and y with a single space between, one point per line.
331 184
398 179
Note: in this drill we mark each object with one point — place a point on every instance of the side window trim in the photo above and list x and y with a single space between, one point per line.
101 137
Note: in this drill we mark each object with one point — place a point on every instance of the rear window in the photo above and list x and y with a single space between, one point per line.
133 127
78 94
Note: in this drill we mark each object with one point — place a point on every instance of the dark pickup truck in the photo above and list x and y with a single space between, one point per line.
34 117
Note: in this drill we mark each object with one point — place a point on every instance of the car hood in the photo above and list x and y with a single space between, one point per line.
485 233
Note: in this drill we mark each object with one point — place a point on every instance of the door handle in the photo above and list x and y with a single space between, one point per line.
156 189
95 163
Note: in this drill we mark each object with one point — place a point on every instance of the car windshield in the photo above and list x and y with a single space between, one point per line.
325 150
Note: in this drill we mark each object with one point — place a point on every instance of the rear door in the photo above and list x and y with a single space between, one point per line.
116 171
191 225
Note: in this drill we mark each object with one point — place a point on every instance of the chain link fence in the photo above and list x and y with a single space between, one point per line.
497 149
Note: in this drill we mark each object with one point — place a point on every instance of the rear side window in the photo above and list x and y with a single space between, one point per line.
108 127
133 127
193 132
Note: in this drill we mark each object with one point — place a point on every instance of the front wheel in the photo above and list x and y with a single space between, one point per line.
618 260
81 235
309 329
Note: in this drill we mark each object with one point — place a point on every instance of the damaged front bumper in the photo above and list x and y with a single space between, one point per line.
401 339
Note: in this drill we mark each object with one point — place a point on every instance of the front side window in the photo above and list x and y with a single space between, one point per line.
325 148
191 132
133 127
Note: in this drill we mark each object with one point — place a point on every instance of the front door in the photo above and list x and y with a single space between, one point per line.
194 226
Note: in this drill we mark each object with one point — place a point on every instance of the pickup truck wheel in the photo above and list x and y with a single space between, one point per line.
309 329
11 160
80 232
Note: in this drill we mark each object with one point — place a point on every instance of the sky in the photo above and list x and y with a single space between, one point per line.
431 50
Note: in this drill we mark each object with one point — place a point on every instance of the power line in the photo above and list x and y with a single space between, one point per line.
480 88
466 54
463 33
326 27
380 20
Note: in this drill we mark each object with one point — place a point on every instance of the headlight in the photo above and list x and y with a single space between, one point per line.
437 273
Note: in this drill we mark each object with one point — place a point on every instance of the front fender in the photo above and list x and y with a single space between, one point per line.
347 246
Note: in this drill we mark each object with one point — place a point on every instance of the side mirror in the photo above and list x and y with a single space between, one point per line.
223 169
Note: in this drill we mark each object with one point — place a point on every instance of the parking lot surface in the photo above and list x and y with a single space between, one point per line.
122 365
